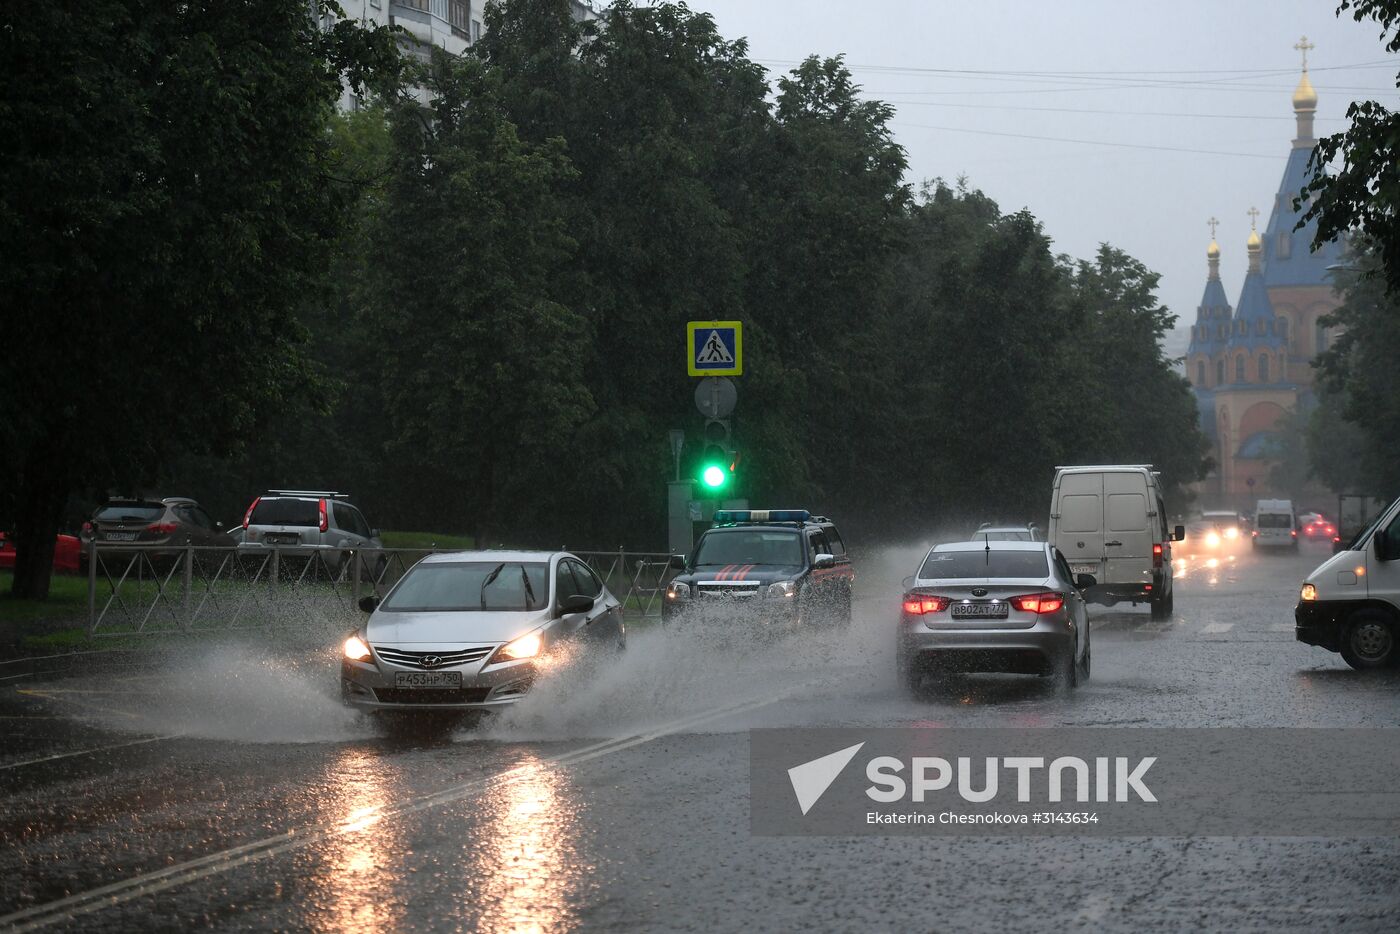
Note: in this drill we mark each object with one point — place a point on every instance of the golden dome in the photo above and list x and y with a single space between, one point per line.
1304 97
1253 244
1213 251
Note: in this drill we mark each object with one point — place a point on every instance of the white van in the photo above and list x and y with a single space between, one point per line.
1275 524
1351 603
1110 522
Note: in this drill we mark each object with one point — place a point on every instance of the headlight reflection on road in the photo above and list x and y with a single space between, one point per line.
355 887
528 855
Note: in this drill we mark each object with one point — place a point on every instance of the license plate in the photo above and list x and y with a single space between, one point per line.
1084 568
427 679
273 539
121 536
980 610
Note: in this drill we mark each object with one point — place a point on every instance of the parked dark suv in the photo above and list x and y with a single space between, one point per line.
771 565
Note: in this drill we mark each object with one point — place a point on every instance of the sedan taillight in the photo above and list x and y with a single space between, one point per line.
1039 603
917 604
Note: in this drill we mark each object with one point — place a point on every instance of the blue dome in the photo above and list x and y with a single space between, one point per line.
1255 325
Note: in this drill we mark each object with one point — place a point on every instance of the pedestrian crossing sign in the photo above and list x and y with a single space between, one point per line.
716 348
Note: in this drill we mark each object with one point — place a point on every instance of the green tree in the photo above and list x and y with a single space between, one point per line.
1364 193
165 205
481 369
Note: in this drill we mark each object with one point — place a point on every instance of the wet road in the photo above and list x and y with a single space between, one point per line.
226 789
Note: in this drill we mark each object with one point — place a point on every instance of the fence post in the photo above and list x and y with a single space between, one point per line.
189 581
276 575
355 579
92 585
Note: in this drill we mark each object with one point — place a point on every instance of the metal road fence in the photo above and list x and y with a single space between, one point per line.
138 590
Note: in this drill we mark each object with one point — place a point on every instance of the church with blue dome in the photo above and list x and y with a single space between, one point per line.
1250 365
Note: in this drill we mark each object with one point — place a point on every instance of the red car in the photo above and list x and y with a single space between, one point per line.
67 552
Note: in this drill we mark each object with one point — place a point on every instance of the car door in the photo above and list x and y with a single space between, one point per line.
820 579
1079 608
1128 532
1079 522
604 623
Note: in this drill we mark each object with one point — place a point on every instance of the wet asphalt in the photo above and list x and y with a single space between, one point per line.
222 786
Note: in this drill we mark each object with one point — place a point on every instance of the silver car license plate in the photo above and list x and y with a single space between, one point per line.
980 610
428 679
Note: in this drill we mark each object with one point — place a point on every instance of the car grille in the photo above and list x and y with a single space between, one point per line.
449 659
431 695
724 589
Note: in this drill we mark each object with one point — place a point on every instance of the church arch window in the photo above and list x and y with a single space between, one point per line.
1284 249
1263 368
1320 337
1260 327
1239 369
1201 373
1282 327
1220 372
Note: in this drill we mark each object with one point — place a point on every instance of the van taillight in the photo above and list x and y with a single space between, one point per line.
324 524
247 516
1156 556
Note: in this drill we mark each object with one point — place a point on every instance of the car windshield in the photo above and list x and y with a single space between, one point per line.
749 546
130 512
286 512
943 565
1275 520
471 586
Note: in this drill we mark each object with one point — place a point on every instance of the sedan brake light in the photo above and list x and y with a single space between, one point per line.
917 604
1039 603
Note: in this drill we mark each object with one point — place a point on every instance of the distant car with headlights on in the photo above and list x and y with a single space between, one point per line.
774 567
995 607
472 630
1217 530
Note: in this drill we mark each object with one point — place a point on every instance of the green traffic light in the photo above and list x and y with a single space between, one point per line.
714 476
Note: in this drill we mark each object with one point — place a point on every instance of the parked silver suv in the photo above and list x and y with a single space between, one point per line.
304 524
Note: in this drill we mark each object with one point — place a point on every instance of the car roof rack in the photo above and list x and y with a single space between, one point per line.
326 493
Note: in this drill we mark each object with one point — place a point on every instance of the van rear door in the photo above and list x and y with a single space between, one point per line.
1127 527
1079 522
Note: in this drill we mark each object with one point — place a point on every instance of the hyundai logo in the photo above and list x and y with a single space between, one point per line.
430 661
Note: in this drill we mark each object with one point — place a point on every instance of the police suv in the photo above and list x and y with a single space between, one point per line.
782 566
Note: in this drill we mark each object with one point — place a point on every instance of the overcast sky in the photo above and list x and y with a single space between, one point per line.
1212 76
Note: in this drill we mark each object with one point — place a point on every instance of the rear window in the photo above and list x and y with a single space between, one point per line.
984 563
130 512
1275 520
286 512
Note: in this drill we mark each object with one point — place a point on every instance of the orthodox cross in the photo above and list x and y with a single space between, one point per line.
1304 46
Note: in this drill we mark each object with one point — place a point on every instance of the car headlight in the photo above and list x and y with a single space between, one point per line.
1232 533
1309 592
782 589
527 646
355 649
677 591
1212 539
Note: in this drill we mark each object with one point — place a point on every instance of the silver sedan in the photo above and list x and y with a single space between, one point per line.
473 630
994 606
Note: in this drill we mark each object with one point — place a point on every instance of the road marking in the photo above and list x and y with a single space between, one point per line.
86 752
27 674
116 893
1213 628
36 658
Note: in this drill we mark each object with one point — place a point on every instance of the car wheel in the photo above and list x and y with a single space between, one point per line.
1086 663
1160 610
1171 601
1369 641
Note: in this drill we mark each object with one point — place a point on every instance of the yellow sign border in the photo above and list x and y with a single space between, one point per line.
736 370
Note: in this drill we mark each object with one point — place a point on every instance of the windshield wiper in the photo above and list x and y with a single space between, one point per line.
490 579
529 591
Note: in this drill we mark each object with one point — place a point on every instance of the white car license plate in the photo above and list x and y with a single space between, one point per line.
1084 568
121 536
980 610
427 679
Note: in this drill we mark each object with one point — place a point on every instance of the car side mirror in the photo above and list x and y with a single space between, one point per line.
577 603
1179 533
369 603
1085 581
824 561
677 562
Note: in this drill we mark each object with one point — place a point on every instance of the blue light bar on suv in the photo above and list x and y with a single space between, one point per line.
762 515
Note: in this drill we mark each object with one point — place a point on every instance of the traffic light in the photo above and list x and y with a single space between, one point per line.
717 459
